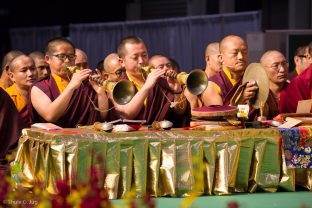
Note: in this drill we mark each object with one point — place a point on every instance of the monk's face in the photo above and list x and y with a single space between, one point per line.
135 56
234 55
23 72
81 60
276 67
161 63
114 69
43 68
302 61
63 54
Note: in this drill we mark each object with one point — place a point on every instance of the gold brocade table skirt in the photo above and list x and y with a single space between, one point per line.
164 163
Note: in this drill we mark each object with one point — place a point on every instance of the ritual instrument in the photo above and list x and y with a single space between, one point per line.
256 72
196 81
122 91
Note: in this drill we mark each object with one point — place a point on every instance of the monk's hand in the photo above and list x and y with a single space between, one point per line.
250 90
152 78
174 86
78 77
98 88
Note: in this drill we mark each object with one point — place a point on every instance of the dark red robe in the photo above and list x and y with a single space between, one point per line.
228 90
299 89
273 105
11 124
80 109
158 107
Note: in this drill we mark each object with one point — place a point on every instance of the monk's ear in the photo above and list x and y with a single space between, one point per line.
207 58
220 58
105 75
47 59
121 61
11 75
296 59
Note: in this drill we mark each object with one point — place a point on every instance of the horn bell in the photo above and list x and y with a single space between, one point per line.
123 92
197 82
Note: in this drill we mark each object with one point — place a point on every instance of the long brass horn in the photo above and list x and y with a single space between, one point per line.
196 81
122 91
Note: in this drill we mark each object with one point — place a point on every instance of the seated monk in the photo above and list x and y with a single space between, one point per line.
5 80
155 95
182 117
222 86
63 98
299 88
11 125
23 73
276 66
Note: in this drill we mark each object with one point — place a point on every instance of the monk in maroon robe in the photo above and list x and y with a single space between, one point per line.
80 109
276 67
154 94
222 86
11 125
64 98
300 88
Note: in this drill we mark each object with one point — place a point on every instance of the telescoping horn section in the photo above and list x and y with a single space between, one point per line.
196 81
122 91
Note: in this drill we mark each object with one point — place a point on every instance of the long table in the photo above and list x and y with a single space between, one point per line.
164 163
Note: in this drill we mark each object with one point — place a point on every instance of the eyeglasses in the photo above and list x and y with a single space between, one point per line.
162 66
119 72
302 56
63 57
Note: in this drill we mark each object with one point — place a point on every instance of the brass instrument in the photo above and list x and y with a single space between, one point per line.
196 81
122 91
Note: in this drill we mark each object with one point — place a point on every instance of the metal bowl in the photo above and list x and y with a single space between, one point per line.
166 125
107 127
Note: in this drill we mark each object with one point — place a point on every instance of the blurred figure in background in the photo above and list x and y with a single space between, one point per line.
42 66
5 80
213 64
301 61
81 59
23 73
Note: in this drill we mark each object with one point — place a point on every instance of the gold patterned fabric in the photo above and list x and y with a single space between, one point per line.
163 163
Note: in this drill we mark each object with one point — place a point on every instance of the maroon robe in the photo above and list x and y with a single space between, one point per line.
80 109
299 89
11 124
272 104
228 90
158 106
26 116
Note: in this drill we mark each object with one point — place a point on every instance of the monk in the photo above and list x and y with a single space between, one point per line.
11 125
81 59
112 69
301 61
5 80
156 98
300 88
213 64
23 73
276 67
63 98
42 66
222 86
182 118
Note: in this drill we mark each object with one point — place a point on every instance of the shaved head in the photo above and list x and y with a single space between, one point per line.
228 40
212 48
111 62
